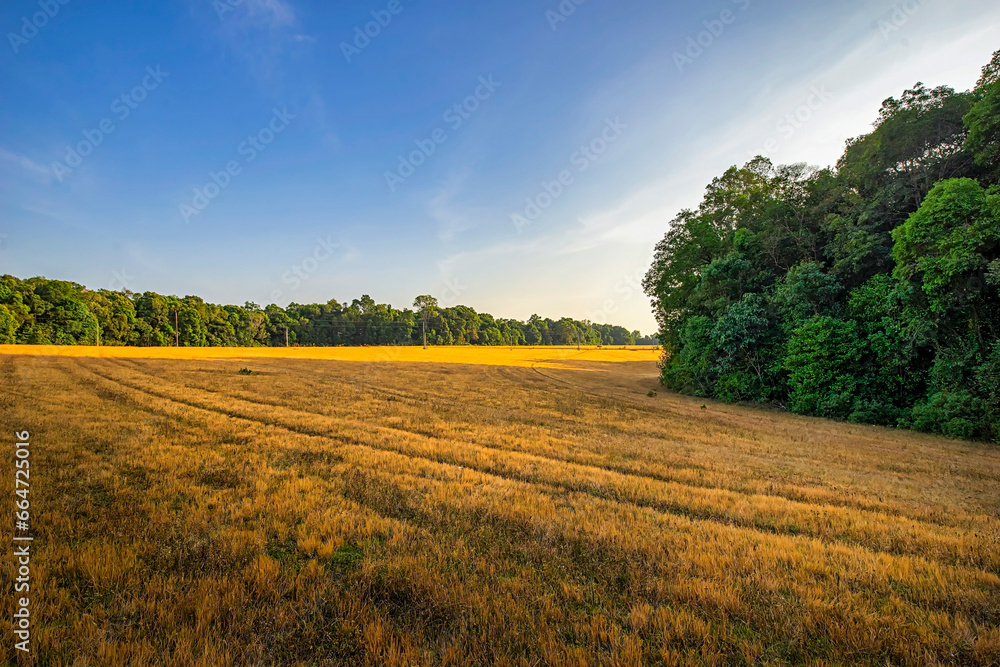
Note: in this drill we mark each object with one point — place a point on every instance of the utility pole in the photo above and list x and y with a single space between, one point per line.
425 333
177 333
286 336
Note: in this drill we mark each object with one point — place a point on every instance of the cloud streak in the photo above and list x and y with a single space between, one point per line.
26 166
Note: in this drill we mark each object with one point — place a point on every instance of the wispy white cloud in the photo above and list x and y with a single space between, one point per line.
441 207
268 13
260 31
63 214
25 165
317 114
856 91
607 230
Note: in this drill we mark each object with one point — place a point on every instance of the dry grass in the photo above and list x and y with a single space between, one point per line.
386 512
541 357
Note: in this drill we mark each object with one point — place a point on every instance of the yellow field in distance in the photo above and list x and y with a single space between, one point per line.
524 356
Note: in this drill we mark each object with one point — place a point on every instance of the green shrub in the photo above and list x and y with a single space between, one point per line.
689 370
823 359
988 385
8 326
746 343
955 414
877 412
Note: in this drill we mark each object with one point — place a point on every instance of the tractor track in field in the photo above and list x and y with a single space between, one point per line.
684 511
794 496
620 470
426 524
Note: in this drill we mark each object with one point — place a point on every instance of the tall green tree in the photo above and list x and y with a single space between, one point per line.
8 326
868 292
427 306
946 249
983 122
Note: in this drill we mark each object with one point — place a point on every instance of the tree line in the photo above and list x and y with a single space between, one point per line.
867 292
39 311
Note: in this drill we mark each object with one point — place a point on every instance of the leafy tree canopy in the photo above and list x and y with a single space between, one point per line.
867 292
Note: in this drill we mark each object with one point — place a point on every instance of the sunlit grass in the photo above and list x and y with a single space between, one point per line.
547 356
385 512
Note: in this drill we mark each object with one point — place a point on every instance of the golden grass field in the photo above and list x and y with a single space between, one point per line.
541 357
469 506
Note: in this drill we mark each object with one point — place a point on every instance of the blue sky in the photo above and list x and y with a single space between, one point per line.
300 132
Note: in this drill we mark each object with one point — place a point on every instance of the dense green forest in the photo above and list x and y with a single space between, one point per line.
41 311
866 292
